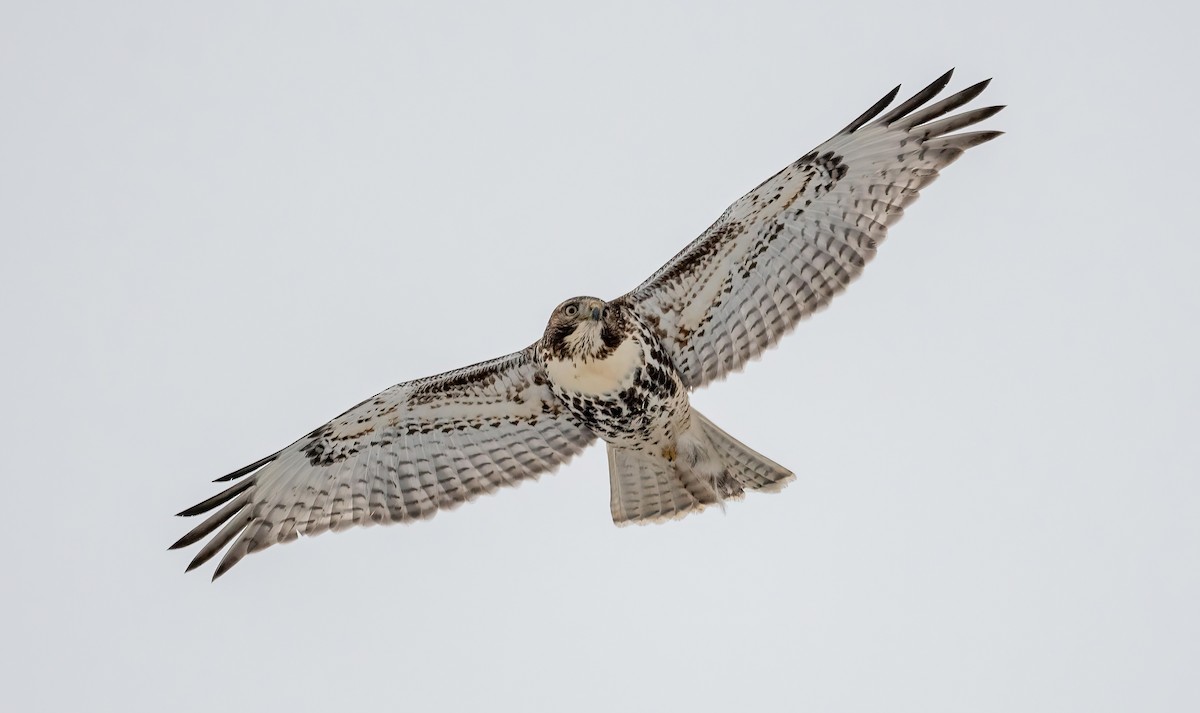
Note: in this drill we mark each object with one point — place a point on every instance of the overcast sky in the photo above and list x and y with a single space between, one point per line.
224 223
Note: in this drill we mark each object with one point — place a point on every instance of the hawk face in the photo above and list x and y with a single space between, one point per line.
585 329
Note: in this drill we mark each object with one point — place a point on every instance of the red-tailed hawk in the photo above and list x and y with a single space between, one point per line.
619 370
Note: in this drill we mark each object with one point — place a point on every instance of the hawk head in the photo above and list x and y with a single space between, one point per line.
585 329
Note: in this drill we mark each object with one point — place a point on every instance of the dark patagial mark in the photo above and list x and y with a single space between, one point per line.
694 255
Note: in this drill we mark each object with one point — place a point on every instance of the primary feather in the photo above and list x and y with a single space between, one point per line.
785 249
402 455
775 256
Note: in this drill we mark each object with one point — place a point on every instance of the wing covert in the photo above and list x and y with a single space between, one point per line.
786 248
410 451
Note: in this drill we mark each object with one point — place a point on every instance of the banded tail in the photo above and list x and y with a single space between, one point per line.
709 466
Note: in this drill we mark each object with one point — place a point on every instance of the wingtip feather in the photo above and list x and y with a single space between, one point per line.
942 127
213 522
945 106
871 113
978 137
248 469
218 499
917 100
231 530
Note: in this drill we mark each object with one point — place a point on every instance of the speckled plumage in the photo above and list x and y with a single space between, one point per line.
644 401
621 369
614 376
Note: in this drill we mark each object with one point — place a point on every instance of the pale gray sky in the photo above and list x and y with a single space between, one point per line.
223 223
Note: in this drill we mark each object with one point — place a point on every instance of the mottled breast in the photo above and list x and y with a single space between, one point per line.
598 377
629 396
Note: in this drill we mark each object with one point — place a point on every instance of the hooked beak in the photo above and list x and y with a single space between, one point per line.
595 314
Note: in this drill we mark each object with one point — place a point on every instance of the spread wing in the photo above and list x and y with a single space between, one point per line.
403 455
782 251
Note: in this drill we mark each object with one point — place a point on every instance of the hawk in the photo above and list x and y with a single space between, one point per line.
620 370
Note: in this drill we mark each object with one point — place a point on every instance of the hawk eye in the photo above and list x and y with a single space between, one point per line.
604 313
572 310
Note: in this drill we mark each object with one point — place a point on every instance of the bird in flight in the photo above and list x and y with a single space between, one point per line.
619 370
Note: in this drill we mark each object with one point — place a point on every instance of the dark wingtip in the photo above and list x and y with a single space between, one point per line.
924 115
872 112
203 556
985 136
974 90
919 99
218 499
988 112
248 469
221 569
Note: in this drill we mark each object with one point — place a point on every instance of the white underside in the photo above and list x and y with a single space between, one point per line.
599 376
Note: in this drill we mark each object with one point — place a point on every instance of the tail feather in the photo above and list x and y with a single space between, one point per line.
645 488
752 469
707 466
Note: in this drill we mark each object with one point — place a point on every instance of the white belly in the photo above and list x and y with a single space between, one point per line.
600 376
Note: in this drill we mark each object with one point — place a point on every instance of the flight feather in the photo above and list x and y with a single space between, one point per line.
620 370
785 249
405 454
